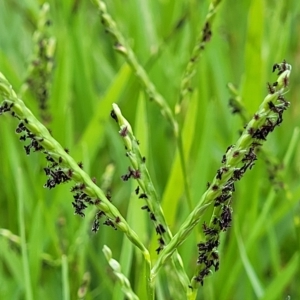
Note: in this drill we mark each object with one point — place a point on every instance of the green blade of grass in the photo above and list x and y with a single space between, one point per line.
25 261
65 278
255 282
276 289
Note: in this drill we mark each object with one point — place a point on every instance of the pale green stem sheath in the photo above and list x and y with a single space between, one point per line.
51 147
140 172
263 122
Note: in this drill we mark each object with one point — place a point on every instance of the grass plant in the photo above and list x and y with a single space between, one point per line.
147 223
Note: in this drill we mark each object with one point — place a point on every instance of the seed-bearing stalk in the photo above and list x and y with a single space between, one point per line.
235 162
190 70
122 47
68 169
146 190
40 69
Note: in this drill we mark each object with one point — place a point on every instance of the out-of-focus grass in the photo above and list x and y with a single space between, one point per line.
259 256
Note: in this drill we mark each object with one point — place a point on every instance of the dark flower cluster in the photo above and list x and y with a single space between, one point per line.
81 202
81 199
262 132
208 255
207 33
58 174
206 37
136 174
280 67
34 144
5 107
159 228
107 222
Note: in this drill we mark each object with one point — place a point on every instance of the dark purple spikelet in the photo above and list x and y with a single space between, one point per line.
152 216
223 161
5 107
109 222
271 88
207 33
161 245
256 117
124 131
214 187
143 196
136 174
145 207
113 115
160 229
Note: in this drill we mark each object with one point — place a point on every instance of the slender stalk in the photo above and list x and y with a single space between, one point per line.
190 70
25 261
65 278
139 171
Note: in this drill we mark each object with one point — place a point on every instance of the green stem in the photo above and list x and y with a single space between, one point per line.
65 277
26 268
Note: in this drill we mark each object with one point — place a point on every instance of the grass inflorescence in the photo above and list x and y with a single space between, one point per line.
177 233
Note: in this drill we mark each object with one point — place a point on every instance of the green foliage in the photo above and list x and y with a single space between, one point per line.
47 252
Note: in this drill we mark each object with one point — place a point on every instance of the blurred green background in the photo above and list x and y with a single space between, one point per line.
259 254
